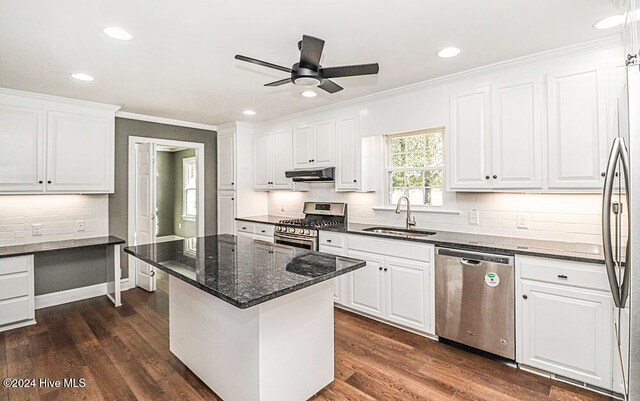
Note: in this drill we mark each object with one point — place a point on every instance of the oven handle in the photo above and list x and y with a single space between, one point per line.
297 240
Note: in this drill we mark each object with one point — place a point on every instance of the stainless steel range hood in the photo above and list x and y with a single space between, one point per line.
312 175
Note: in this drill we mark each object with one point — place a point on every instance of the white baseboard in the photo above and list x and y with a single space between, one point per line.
18 325
76 294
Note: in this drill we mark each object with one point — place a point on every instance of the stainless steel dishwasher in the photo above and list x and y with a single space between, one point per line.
475 300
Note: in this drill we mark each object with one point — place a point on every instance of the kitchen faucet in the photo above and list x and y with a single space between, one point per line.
411 221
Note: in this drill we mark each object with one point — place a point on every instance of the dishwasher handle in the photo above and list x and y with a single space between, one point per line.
475 258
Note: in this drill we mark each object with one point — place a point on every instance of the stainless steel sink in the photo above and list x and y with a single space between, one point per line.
399 232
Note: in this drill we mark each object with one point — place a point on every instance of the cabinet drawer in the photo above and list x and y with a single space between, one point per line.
331 239
15 264
585 275
15 310
398 248
13 286
264 229
333 250
245 227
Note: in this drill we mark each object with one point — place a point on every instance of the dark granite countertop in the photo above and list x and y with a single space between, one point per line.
16 250
580 252
242 271
264 219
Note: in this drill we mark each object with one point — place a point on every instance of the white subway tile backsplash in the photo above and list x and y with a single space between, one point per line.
57 214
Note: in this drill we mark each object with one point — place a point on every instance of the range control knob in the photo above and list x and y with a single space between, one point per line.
307 232
291 230
278 228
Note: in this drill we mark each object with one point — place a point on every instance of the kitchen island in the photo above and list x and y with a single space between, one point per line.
253 320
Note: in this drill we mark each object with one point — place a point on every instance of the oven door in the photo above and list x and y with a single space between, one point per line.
296 241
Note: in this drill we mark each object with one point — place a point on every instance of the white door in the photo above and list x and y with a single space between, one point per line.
21 149
517 135
470 141
262 151
568 331
281 159
302 147
577 129
145 211
226 155
366 285
407 289
324 144
347 155
79 153
226 213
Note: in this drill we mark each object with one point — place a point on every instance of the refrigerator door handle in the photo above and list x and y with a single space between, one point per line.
607 193
626 280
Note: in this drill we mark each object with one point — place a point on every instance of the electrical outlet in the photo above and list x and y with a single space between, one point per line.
80 225
522 220
474 217
282 208
36 229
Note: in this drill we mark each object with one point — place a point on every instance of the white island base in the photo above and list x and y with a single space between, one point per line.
280 350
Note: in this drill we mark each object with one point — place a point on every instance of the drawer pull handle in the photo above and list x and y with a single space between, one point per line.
263 231
244 228
562 276
328 240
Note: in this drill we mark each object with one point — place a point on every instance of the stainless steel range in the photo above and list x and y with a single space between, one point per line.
303 233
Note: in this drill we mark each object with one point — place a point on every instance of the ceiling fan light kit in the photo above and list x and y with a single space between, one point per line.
308 72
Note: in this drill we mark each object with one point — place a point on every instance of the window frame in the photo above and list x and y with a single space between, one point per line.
448 198
186 162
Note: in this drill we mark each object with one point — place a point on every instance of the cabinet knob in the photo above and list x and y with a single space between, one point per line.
380 268
40 182
328 240
355 180
232 183
49 182
263 231
233 198
525 296
385 269
495 176
603 174
487 177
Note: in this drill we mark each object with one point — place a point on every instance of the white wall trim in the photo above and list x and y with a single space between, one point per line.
75 294
163 120
606 42
58 99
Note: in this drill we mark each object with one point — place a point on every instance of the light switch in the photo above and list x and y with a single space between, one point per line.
474 217
522 220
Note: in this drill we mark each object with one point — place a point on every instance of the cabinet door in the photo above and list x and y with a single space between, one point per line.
348 155
281 159
324 144
262 147
470 142
226 162
339 283
577 129
302 147
366 292
21 149
517 135
80 154
568 331
407 289
226 214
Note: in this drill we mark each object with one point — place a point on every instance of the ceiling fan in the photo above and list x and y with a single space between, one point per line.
308 71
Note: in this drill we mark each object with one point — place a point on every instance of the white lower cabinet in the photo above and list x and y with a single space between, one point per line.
407 287
366 287
565 329
340 282
226 213
257 231
17 301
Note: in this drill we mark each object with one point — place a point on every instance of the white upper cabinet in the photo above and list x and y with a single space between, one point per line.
314 145
80 152
226 162
576 106
348 155
470 157
55 145
517 135
272 159
21 149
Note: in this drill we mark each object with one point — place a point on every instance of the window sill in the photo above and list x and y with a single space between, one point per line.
188 218
419 210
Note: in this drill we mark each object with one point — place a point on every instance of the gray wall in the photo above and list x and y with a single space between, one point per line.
118 202
165 193
181 227
72 268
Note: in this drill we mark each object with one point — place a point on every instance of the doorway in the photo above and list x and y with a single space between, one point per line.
166 197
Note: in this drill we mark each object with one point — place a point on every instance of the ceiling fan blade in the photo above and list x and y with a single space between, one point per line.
350 70
310 52
330 86
262 63
280 82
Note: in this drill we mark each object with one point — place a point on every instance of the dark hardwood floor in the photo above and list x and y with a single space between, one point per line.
123 354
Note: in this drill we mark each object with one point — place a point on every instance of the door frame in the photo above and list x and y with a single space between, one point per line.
131 201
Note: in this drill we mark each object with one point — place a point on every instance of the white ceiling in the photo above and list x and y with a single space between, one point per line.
180 63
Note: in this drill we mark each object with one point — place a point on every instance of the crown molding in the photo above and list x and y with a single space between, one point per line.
167 121
58 99
607 42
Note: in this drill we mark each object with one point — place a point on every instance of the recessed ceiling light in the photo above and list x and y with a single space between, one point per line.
449 52
117 33
308 94
610 22
249 113
81 76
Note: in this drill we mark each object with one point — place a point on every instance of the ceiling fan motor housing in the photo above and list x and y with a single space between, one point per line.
305 76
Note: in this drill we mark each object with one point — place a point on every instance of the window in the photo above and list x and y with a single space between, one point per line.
189 180
415 167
